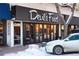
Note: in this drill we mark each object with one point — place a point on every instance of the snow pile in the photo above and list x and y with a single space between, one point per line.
33 46
33 50
10 54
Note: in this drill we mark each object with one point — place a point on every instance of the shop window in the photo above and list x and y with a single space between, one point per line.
52 32
62 28
45 31
37 31
1 33
72 27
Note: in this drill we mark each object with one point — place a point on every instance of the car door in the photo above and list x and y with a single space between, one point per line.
72 44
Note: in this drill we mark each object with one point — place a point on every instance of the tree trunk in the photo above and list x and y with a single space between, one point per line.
68 20
65 30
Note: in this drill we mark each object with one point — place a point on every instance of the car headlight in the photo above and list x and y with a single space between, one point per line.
48 44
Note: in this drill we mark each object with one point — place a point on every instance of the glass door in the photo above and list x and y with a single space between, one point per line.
17 33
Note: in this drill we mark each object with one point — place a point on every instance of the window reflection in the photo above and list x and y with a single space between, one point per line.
37 31
37 28
41 32
1 33
45 29
72 27
52 31
16 33
48 31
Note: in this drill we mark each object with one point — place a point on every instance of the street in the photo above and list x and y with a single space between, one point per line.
34 50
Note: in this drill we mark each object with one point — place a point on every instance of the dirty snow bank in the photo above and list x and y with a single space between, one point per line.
33 50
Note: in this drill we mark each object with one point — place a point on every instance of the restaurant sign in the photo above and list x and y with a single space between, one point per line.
34 15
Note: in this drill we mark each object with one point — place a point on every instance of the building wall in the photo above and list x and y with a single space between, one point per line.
48 7
40 6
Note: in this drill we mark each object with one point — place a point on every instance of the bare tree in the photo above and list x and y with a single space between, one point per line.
66 23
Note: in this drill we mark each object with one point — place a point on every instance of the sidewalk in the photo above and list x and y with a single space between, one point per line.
15 49
5 50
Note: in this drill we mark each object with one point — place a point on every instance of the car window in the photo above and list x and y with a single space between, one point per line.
74 37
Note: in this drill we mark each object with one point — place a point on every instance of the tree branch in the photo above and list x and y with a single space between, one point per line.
71 15
59 13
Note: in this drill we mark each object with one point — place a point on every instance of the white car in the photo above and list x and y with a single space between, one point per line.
69 44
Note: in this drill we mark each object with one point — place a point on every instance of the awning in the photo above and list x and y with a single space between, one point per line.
5 13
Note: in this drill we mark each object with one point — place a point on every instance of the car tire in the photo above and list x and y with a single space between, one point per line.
58 50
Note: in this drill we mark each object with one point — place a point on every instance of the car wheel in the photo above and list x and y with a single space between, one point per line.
58 50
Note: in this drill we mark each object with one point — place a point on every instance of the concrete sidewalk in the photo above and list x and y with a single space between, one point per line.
15 49
6 50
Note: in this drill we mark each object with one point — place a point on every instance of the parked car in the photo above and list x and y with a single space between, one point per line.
75 31
68 44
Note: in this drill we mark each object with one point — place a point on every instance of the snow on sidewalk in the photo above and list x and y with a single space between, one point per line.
33 50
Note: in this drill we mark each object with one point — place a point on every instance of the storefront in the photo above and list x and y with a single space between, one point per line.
33 26
29 25
5 15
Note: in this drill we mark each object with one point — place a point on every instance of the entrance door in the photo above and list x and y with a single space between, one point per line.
17 32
